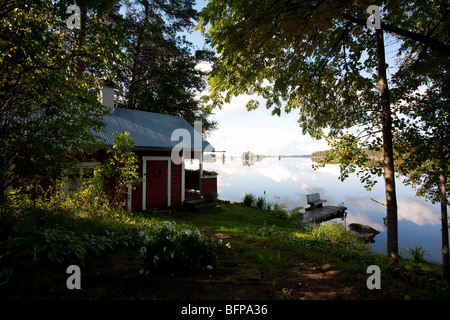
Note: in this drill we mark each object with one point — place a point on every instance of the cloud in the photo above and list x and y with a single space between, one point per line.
258 131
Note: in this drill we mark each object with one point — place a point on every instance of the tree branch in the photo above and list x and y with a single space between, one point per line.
425 40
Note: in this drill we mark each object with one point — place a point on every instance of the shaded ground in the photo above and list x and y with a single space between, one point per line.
303 280
308 281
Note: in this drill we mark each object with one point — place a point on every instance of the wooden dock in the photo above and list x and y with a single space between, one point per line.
324 213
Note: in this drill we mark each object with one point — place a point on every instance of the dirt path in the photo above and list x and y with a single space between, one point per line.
308 281
304 281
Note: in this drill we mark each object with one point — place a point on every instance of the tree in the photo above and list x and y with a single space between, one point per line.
423 155
314 56
162 75
48 105
108 187
422 96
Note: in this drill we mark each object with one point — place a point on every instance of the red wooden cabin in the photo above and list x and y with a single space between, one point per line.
164 182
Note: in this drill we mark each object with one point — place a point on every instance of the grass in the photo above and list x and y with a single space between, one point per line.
106 244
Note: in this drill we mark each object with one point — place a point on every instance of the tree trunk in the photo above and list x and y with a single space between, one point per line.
444 221
81 40
388 163
136 55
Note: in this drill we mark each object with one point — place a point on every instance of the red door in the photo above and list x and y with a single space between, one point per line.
156 188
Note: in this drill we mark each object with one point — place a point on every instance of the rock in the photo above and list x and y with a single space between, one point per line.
363 232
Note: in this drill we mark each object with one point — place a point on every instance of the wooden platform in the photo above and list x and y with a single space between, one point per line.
201 205
323 214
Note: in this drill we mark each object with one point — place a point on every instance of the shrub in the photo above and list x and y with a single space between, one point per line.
249 200
279 211
260 203
49 234
417 254
168 249
211 196
119 169
50 247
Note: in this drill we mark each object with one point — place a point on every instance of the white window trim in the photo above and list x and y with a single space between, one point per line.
80 166
129 195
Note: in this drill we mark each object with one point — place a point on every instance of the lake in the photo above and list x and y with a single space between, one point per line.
288 181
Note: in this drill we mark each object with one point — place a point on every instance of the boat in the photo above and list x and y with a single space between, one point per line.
363 232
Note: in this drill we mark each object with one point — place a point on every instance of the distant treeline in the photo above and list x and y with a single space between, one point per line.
373 155
320 154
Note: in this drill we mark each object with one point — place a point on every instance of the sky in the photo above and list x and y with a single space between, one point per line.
257 131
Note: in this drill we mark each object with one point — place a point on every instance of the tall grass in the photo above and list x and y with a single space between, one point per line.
333 232
260 203
417 254
277 210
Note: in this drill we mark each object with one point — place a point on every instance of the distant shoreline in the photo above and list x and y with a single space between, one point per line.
271 156
289 156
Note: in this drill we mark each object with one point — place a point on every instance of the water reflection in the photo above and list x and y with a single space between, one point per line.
288 181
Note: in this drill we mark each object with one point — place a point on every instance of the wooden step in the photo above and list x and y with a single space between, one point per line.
201 205
209 209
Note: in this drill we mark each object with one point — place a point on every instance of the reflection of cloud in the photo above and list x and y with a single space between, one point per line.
329 169
295 171
364 204
408 209
234 175
417 212
287 171
223 183
276 173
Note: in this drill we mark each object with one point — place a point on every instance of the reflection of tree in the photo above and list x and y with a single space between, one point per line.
248 158
223 158
212 157
374 156
209 157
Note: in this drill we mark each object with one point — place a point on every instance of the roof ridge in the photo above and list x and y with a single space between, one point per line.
157 113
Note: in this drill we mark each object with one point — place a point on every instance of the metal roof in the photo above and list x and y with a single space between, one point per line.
151 130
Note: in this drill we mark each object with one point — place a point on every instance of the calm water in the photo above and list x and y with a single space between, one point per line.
287 181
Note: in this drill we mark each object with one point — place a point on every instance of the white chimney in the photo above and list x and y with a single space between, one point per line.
107 95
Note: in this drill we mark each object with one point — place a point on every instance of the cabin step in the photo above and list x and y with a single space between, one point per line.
201 205
209 209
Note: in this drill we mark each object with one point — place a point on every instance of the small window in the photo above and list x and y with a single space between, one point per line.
74 179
